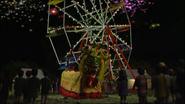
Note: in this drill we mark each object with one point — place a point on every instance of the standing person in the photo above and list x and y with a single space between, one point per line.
58 85
141 83
172 84
160 86
180 82
33 86
18 86
25 88
46 86
167 81
153 82
123 86
53 86
6 82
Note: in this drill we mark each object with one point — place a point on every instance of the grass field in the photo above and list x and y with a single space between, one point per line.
110 98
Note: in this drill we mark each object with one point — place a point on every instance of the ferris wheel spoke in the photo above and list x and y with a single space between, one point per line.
116 51
80 15
101 11
112 16
106 11
96 11
86 11
76 45
90 18
129 24
84 2
64 25
70 16
80 40
65 7
117 37
114 22
98 33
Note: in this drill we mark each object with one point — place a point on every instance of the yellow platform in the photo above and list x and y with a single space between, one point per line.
54 2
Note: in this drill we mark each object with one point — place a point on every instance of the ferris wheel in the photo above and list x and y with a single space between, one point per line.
95 20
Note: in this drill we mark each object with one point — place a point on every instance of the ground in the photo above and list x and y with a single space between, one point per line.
110 98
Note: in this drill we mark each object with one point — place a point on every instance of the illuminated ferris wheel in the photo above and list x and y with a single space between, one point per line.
95 20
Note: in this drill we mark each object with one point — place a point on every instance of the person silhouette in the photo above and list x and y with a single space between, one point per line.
180 82
122 86
58 85
46 86
33 86
172 84
141 83
6 82
18 86
25 87
160 85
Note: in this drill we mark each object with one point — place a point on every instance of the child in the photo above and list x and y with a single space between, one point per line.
18 86
33 86
46 86
122 85
172 84
25 88
141 83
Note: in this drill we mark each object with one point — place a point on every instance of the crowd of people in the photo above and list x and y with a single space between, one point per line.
165 82
28 88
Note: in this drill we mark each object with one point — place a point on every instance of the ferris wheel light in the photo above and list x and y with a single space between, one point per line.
54 11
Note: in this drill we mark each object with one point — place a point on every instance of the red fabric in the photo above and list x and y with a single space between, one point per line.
74 95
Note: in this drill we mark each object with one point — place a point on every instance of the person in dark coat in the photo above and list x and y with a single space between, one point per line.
122 85
25 88
6 82
18 86
33 86
46 86
141 83
180 82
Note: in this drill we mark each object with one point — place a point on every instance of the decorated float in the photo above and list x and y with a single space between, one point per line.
98 52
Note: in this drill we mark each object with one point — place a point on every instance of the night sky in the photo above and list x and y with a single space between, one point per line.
24 39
